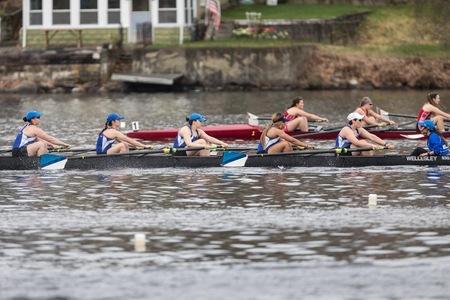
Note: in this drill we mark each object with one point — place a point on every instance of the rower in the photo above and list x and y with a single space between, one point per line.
192 136
275 140
353 135
431 111
370 117
297 119
112 141
32 140
437 145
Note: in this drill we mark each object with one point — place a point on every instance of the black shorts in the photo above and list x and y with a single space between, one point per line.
21 152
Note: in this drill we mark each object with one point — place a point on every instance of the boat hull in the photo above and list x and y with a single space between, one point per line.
99 162
249 132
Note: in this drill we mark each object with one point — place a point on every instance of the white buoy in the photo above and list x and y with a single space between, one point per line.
373 199
139 242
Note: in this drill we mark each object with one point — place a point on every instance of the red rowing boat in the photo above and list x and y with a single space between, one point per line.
250 132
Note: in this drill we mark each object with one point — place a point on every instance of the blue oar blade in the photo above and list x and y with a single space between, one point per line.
234 159
52 162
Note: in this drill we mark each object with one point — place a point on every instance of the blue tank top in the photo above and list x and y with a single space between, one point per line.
103 144
22 140
343 142
269 142
180 142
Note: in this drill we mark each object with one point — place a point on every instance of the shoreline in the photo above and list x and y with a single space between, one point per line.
88 71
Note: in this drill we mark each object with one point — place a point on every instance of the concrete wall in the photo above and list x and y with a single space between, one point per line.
273 68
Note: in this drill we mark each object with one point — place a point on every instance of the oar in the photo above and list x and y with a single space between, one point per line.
385 113
413 136
324 151
5 151
328 130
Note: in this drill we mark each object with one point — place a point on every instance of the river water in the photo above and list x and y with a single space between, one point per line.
219 234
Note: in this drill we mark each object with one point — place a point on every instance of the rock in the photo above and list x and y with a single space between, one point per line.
78 90
25 87
58 90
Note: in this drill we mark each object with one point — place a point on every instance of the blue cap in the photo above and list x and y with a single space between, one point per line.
31 115
196 117
427 124
113 117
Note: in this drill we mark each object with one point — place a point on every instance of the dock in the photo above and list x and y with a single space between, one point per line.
161 79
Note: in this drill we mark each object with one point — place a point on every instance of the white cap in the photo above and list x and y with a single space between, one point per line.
355 116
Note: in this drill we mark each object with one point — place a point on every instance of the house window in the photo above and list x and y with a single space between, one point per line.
167 11
113 11
35 12
61 12
88 12
189 12
140 5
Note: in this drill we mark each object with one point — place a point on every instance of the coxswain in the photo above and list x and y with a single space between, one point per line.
32 140
370 116
431 111
112 141
353 135
192 136
275 140
436 143
297 119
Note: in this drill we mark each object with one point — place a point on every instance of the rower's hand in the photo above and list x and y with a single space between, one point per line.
323 120
309 146
391 122
377 147
382 124
424 154
389 146
224 145
149 147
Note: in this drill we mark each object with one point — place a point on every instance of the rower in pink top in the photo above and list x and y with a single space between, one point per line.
297 119
431 111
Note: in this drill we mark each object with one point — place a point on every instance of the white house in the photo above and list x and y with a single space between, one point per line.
52 22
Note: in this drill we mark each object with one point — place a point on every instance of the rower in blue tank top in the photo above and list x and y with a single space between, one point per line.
353 135
436 143
193 136
112 141
32 140
274 140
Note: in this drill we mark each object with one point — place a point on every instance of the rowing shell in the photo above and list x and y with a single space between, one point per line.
98 162
249 132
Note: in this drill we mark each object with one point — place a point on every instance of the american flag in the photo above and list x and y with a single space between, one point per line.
212 13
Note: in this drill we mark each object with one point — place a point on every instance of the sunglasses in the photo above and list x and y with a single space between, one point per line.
357 120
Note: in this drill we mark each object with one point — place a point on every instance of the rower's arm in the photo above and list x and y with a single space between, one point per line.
437 111
211 139
123 138
292 140
185 133
380 117
350 136
310 116
372 137
41 134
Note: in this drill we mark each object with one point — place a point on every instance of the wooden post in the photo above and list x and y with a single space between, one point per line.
47 39
80 38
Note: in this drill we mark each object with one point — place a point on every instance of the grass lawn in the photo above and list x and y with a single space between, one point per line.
293 11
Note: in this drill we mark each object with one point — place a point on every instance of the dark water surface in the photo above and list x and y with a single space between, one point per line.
219 234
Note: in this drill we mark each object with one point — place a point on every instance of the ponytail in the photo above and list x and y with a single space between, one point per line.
295 101
364 101
25 119
431 98
276 118
106 126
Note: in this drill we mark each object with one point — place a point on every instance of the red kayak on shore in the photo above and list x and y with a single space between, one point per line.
250 132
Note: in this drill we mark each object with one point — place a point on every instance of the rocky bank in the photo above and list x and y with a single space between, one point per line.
297 67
